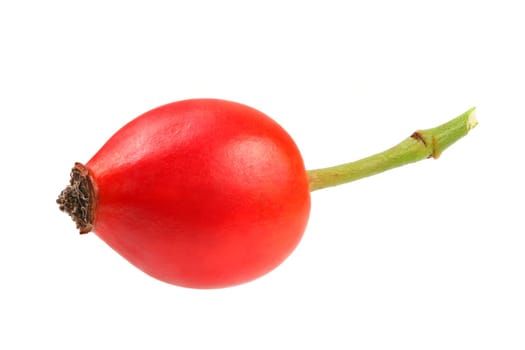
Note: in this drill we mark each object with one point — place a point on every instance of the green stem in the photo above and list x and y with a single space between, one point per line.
420 145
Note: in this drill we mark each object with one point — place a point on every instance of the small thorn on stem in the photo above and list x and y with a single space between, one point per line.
416 135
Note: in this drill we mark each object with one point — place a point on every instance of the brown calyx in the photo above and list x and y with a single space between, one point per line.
78 198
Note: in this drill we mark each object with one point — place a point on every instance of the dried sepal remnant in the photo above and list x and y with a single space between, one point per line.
78 197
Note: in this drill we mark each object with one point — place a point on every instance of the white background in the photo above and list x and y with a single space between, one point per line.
430 256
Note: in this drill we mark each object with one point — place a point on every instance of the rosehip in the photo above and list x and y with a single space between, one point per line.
208 193
200 193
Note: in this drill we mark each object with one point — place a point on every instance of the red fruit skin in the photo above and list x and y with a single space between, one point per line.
201 193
